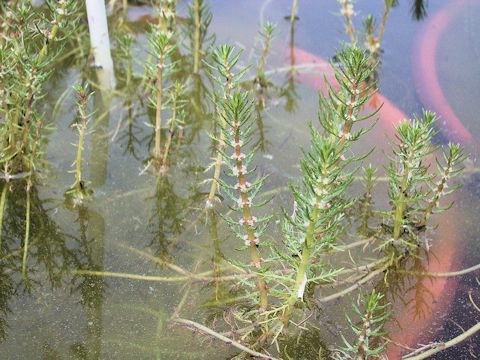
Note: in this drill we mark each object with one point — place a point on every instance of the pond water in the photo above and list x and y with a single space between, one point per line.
135 222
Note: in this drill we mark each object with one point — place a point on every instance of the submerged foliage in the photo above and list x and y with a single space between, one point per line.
275 288
372 320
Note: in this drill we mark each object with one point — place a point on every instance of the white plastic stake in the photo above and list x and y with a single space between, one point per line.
100 42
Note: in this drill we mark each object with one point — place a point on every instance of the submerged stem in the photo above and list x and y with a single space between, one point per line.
170 134
223 338
158 117
2 210
196 50
27 234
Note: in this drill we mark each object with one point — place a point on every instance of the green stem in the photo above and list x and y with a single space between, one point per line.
221 142
2 210
223 338
78 161
442 346
196 44
27 234
293 15
302 269
384 22
170 135
401 202
158 117
129 68
247 217
264 55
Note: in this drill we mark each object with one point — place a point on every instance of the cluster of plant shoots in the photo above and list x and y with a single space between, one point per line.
287 272
281 275
30 43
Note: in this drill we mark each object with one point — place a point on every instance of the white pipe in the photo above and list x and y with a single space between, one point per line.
97 24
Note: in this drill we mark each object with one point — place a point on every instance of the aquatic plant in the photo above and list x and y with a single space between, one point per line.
27 55
266 34
346 9
177 120
236 110
200 18
26 68
372 321
366 203
124 41
410 177
372 41
157 71
222 71
79 191
274 285
320 203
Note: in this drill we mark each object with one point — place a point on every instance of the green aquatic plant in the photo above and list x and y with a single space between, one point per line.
27 55
280 271
79 191
237 111
347 11
321 201
26 59
372 41
200 17
266 34
453 158
223 72
366 209
124 41
369 330
158 70
413 193
177 120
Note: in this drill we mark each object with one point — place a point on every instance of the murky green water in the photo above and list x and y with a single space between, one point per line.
134 218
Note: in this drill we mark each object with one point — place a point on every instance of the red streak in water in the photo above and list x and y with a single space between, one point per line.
425 71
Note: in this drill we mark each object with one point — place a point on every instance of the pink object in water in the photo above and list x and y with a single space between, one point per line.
425 71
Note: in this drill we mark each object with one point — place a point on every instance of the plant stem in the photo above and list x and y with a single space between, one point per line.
353 287
27 233
196 44
384 22
218 165
438 192
223 338
442 346
221 141
441 274
401 202
2 210
263 59
292 16
248 219
158 116
155 278
81 140
171 132
301 277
